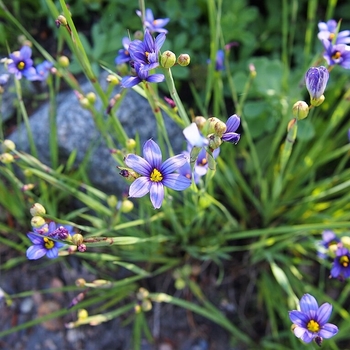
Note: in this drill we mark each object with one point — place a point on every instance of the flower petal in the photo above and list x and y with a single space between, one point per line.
299 332
160 41
155 78
308 304
323 313
173 163
328 330
152 154
35 252
138 164
299 318
194 137
176 182
157 194
128 82
231 137
139 187
52 253
232 123
35 238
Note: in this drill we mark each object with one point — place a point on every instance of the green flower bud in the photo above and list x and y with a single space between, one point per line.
77 239
216 126
146 305
300 110
127 206
143 293
85 103
138 35
317 101
214 141
27 172
112 201
112 79
130 144
167 59
37 210
200 122
91 96
80 282
6 158
62 20
37 221
8 146
184 60
63 61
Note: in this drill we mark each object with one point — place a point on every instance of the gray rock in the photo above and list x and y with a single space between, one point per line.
76 131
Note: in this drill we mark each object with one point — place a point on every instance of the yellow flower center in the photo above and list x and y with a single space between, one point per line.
331 36
203 162
21 65
336 55
313 326
48 243
344 261
156 176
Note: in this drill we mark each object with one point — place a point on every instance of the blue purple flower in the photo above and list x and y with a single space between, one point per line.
329 238
316 79
155 174
310 323
220 60
146 52
341 264
141 75
45 242
328 31
20 63
232 125
337 54
154 25
41 72
194 136
123 54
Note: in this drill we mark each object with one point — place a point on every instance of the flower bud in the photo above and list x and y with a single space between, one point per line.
216 126
82 314
200 121
37 221
167 59
85 103
91 96
27 187
184 60
214 141
63 61
62 20
8 146
82 248
37 210
80 282
252 70
300 110
142 293
112 79
138 35
112 201
27 172
77 239
6 158
129 174
130 145
146 305
317 102
127 206
316 79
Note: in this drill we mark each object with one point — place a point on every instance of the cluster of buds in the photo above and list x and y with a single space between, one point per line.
143 301
86 101
8 147
168 59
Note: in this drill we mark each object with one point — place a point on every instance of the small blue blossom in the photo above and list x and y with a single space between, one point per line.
341 264
154 25
155 174
232 125
194 136
20 63
142 75
329 238
41 72
4 78
42 242
328 31
316 79
337 54
146 52
123 54
310 323
220 60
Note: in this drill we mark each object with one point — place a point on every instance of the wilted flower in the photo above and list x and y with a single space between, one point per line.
328 31
154 25
337 54
44 242
232 125
311 322
123 54
146 52
20 63
316 79
155 174
142 75
341 264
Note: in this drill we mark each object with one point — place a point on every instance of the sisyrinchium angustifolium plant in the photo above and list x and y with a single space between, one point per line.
263 173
